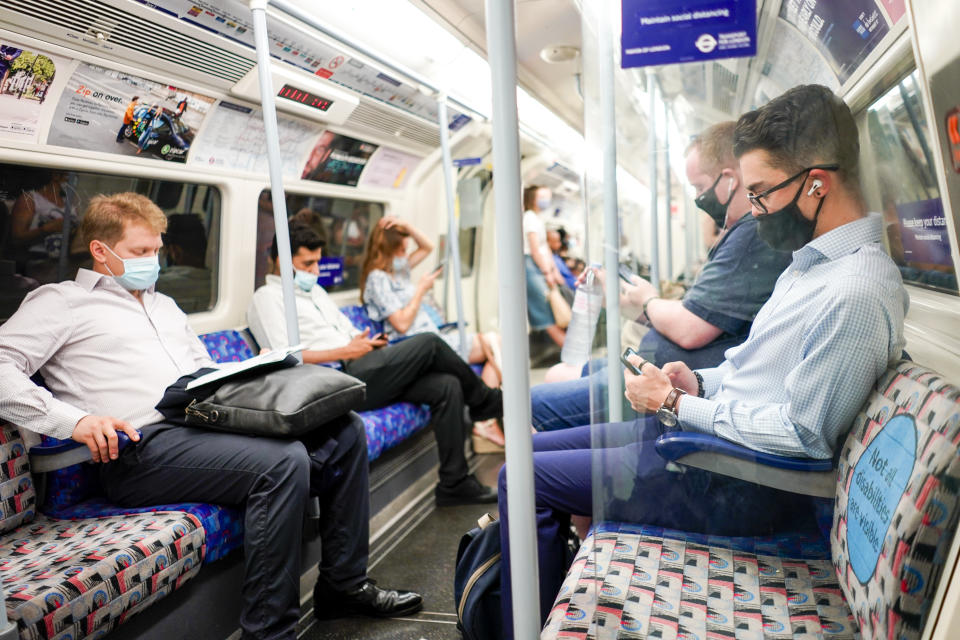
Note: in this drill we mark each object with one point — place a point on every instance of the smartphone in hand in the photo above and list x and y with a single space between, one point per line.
626 274
630 351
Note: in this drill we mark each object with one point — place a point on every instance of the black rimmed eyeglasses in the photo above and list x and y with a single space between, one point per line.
756 199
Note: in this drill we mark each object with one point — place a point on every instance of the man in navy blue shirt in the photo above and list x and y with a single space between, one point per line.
717 311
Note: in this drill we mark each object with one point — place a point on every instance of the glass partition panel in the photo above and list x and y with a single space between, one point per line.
40 212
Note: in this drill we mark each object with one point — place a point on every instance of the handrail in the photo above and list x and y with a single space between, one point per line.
502 48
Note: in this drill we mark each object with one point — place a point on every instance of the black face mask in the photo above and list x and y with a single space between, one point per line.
709 203
787 229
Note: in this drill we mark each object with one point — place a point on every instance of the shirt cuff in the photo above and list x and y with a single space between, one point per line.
697 414
63 419
711 380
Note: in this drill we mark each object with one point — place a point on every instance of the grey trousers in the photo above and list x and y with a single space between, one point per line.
271 480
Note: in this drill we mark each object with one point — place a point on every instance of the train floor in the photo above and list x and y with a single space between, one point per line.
423 560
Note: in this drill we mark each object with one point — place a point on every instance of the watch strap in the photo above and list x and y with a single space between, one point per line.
670 404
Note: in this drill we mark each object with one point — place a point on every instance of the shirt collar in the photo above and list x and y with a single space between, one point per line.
843 240
90 280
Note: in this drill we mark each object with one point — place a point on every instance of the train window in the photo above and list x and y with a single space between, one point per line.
344 224
900 182
468 239
40 211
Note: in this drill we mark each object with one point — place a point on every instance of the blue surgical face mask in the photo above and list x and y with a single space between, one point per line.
304 279
399 264
544 203
138 273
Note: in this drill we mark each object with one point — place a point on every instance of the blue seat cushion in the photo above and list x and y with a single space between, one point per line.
357 314
226 346
223 525
389 426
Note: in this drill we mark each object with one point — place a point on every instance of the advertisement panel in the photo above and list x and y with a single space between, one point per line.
924 234
657 32
338 159
388 169
107 110
27 78
235 139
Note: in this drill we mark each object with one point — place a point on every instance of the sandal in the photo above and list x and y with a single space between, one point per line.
489 434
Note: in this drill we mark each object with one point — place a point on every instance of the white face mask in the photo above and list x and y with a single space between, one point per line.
399 264
138 273
304 279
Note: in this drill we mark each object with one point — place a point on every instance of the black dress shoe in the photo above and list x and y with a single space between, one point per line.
365 600
467 491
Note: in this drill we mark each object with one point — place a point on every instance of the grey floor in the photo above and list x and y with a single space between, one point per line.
423 561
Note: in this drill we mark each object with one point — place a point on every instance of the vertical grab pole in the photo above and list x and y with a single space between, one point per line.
502 56
8 629
259 10
668 229
611 215
453 229
652 153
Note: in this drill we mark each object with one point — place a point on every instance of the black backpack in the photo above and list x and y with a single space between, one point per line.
476 582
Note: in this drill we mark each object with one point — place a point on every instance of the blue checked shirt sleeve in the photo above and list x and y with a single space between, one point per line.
845 350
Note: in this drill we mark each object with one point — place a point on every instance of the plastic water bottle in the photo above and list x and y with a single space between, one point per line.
586 307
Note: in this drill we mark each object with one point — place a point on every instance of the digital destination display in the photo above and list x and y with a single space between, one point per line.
305 98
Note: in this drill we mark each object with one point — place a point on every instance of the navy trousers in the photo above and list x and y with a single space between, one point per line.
621 478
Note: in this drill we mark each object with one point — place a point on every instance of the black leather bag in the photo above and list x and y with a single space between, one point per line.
285 403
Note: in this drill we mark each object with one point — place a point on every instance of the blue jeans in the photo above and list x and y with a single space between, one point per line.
562 405
634 486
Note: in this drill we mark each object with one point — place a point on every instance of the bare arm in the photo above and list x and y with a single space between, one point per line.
424 246
358 347
20 218
671 318
403 319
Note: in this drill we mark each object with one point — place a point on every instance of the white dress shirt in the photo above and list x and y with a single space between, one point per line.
99 350
322 325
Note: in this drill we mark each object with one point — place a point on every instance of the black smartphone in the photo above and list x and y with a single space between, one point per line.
630 351
626 274
440 265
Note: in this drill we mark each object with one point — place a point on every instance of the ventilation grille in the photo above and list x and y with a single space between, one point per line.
123 29
724 88
370 116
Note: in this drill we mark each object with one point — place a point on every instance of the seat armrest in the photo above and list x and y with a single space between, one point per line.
446 326
708 452
66 453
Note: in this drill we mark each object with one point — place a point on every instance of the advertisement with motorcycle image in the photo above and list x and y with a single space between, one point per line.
107 110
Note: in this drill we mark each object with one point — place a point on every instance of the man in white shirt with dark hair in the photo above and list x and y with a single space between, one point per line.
108 345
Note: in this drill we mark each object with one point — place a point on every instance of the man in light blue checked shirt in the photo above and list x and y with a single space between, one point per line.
831 327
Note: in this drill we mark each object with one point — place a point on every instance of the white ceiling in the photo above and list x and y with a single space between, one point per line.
539 23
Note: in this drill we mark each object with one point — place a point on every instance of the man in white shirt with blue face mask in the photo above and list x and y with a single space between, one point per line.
108 345
422 369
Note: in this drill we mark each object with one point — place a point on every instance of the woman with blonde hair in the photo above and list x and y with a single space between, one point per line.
388 292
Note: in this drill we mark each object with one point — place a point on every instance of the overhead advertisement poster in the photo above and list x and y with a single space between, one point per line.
106 110
338 159
27 78
388 169
657 32
235 139
845 32
231 19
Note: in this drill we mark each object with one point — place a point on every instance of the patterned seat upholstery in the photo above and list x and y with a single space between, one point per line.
357 314
894 520
226 346
389 426
79 579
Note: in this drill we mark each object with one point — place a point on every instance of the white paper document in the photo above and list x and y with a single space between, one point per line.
235 368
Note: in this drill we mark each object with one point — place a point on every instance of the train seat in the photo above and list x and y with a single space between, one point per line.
81 578
896 502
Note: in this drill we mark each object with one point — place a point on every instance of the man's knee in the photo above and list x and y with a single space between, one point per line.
288 466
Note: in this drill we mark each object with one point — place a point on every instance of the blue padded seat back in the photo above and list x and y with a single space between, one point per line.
896 507
227 346
357 314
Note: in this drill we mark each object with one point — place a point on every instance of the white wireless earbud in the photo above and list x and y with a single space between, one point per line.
816 185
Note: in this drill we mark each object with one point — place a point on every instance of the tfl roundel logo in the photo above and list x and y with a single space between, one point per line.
706 43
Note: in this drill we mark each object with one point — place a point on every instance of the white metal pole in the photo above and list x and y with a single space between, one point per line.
8 629
453 229
258 8
502 56
652 161
668 228
611 215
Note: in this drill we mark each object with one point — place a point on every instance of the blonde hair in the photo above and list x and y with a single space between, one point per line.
107 216
715 145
